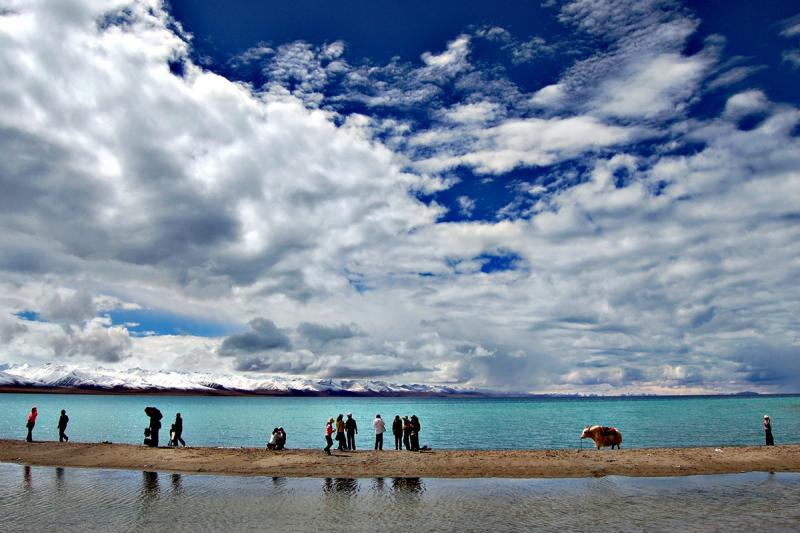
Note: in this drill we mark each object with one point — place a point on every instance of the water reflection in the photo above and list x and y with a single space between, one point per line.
59 478
279 483
378 485
177 485
407 485
27 483
340 486
150 488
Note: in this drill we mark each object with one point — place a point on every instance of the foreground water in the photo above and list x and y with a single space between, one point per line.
46 498
446 422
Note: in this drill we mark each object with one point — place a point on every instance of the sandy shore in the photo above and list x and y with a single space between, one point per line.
449 464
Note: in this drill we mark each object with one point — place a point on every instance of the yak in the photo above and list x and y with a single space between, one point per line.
603 436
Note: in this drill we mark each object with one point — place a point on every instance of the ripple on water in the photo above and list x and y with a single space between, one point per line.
39 498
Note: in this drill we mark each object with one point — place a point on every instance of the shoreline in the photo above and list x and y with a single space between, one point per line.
634 462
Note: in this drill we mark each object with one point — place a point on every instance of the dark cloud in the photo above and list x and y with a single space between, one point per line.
10 328
263 336
769 364
319 334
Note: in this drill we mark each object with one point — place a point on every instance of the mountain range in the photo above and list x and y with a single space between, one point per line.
52 377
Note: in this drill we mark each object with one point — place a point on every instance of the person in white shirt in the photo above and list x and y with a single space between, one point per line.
380 428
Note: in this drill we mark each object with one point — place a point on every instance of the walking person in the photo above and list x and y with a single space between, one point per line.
768 431
340 438
178 428
380 429
31 423
415 429
397 431
407 433
63 420
328 433
352 430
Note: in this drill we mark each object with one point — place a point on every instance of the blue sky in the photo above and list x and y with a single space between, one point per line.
576 196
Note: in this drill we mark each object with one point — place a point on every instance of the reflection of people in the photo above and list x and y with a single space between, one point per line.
31 422
768 431
407 485
328 438
380 428
63 420
397 431
178 430
352 431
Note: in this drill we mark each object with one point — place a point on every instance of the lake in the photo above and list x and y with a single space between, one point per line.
50 499
447 423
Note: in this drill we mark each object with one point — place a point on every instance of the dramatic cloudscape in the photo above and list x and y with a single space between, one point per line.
590 196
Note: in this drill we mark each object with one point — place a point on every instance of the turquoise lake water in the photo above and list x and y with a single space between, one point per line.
66 499
446 422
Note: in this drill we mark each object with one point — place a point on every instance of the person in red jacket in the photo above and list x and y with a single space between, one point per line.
31 423
328 438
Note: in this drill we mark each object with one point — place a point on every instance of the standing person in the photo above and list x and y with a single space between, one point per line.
328 433
340 438
155 417
31 422
397 431
178 430
415 428
380 428
768 431
407 433
63 420
352 431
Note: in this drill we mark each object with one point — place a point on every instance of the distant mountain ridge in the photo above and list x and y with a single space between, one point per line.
72 378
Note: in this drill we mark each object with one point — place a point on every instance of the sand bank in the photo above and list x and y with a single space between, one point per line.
448 464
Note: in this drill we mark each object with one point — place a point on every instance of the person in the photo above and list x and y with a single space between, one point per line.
328 433
415 428
273 441
155 417
397 431
340 438
178 428
63 420
280 441
31 423
352 431
768 431
407 433
172 442
380 428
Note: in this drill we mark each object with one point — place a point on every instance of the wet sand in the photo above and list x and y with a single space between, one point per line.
445 464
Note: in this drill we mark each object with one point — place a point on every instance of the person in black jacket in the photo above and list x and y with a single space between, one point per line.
415 428
63 420
178 428
397 431
352 430
768 431
155 417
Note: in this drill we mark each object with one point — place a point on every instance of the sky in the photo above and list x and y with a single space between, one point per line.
581 196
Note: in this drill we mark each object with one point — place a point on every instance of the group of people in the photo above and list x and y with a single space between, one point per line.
405 430
278 439
151 431
63 420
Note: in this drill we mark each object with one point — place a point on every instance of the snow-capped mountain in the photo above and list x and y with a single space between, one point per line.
71 377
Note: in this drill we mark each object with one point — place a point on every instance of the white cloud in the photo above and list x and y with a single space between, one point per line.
657 272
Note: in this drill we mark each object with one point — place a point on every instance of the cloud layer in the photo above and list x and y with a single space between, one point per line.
335 212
